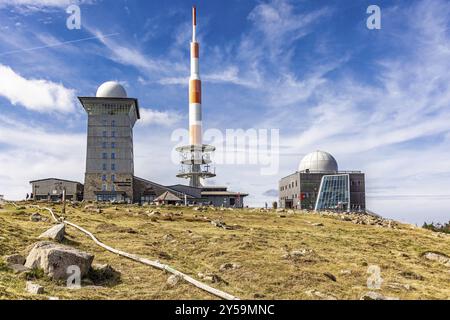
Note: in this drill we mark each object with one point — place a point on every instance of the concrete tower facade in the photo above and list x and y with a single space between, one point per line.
109 160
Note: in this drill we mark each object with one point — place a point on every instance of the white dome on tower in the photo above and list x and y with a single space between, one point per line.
111 89
318 161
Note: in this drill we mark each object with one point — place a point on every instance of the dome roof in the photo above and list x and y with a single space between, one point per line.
318 161
111 89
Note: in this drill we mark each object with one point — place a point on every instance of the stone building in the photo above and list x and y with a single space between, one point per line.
109 161
319 185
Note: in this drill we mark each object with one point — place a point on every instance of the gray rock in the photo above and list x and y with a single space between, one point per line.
330 276
229 266
399 286
173 280
320 295
56 233
14 259
376 296
36 217
169 237
18 268
55 259
438 257
34 288
211 277
103 272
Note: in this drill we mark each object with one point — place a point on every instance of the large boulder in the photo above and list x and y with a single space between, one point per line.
56 233
55 259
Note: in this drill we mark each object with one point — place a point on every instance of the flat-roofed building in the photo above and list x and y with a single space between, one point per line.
51 189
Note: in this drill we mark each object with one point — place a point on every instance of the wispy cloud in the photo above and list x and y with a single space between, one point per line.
42 4
155 117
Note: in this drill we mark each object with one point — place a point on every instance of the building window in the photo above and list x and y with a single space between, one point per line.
113 188
105 155
113 178
113 123
104 187
113 155
105 134
104 145
113 134
105 123
104 167
113 145
113 166
104 177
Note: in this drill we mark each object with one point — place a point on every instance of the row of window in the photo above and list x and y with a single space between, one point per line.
105 134
105 145
105 167
105 187
303 196
105 123
105 178
289 186
105 156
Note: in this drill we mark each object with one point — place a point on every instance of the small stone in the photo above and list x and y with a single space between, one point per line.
173 280
438 257
56 233
169 237
229 266
399 286
346 272
104 272
330 276
34 288
14 259
412 276
376 296
320 295
317 225
36 217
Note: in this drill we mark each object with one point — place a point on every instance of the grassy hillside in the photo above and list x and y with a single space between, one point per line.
263 243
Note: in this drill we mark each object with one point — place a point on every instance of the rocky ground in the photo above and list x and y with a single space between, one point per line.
252 254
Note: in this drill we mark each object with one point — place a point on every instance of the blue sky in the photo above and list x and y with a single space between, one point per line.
378 100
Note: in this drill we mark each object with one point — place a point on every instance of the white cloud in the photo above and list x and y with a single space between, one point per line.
35 94
155 117
40 4
29 151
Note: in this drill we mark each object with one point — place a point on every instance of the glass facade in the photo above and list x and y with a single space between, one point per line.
334 193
